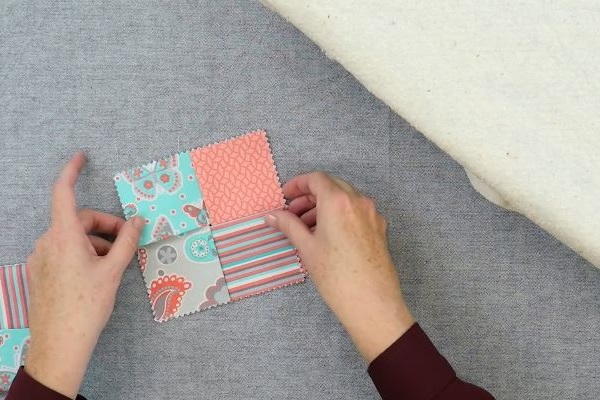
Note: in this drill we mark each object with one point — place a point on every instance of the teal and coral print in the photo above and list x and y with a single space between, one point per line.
166 194
200 247
14 344
183 274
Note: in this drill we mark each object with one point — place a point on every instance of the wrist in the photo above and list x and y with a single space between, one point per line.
377 327
58 366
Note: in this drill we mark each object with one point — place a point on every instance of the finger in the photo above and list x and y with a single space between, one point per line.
315 183
100 222
344 185
310 218
291 226
126 243
100 245
302 204
64 205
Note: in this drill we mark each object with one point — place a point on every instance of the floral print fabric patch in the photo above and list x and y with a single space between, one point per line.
205 242
166 194
14 344
183 274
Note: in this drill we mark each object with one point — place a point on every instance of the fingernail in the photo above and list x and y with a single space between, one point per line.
270 220
138 222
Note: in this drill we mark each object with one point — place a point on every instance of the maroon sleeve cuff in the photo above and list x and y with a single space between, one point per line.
24 387
412 368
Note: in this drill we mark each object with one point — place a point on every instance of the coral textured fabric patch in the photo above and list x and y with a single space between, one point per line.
14 297
206 242
14 344
238 177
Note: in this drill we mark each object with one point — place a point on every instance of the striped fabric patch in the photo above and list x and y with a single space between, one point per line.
14 297
255 257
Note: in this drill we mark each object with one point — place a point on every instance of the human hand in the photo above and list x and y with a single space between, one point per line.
342 241
73 279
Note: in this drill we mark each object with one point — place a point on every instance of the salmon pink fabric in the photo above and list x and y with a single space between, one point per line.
238 177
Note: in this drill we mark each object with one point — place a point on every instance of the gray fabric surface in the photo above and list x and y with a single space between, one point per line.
512 309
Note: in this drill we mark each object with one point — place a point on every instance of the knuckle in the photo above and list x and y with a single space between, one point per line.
321 175
31 260
341 200
344 185
283 224
130 242
53 233
369 203
40 244
383 221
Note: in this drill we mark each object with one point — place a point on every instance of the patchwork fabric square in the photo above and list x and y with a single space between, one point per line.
183 274
14 297
206 242
165 193
238 177
14 344
255 257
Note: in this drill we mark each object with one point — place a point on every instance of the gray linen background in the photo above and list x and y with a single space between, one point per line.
511 308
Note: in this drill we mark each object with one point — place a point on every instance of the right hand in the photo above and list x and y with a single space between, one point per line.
342 241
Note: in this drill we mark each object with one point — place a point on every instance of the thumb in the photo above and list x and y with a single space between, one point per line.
291 226
126 244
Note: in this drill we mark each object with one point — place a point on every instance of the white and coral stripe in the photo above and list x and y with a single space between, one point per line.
255 257
14 297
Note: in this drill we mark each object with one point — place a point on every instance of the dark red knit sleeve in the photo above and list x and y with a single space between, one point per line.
412 369
24 387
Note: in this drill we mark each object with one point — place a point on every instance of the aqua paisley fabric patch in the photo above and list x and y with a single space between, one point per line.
14 344
166 194
183 274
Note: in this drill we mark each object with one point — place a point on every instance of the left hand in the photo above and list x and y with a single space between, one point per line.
73 277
